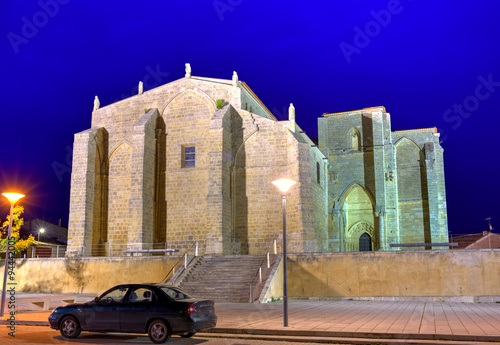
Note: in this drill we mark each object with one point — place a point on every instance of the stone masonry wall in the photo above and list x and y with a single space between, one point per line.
82 193
226 202
402 173
260 159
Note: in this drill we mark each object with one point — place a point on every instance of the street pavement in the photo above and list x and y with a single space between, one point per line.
345 321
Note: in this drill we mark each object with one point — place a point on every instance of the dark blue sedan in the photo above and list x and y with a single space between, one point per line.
157 309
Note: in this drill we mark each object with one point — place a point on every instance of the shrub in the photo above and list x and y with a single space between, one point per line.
219 103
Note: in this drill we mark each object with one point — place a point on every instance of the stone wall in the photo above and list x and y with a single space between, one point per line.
88 275
132 189
140 194
404 274
317 183
434 273
390 183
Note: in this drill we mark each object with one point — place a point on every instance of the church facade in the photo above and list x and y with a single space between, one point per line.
193 161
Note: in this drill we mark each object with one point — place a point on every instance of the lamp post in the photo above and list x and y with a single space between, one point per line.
42 230
284 185
13 198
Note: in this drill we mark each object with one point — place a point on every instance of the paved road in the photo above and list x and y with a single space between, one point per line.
346 321
34 335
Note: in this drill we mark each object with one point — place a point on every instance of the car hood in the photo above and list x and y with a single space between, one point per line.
72 305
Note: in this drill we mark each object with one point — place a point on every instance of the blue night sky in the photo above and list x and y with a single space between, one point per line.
431 64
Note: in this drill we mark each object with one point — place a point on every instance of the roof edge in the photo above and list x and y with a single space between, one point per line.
347 112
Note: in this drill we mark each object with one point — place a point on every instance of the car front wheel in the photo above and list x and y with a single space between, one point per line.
70 327
159 331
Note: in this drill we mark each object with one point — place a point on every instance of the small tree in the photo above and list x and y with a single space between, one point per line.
17 222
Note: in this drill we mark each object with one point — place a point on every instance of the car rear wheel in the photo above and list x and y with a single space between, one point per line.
188 335
159 331
70 327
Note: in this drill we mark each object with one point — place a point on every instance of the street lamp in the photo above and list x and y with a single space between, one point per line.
13 198
42 230
284 185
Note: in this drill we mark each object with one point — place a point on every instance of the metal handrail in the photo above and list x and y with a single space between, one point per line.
258 274
117 249
183 257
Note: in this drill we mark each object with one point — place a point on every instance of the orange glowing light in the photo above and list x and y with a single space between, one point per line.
13 197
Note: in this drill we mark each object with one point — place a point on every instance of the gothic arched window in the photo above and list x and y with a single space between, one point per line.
355 140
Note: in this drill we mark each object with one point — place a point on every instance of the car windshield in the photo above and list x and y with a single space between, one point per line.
114 296
174 293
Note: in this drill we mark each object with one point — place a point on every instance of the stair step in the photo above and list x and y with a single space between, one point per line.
223 278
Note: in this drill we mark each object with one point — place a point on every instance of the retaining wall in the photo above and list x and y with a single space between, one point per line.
398 274
439 273
88 275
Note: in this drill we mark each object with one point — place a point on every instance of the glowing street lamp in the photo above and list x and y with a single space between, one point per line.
42 230
13 198
284 185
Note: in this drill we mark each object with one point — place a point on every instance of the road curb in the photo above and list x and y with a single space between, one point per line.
302 335
331 334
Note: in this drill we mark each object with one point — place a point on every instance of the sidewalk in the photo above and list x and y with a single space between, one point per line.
349 319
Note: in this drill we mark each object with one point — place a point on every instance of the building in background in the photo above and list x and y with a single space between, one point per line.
50 238
193 160
483 240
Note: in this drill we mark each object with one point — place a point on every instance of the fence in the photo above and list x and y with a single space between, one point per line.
45 251
263 272
113 249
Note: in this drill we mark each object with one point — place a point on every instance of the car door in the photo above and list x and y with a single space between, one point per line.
104 313
137 309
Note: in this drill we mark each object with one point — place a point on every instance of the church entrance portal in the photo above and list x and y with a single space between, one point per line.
365 243
358 220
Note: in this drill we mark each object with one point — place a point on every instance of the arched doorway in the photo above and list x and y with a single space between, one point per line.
358 218
357 232
365 243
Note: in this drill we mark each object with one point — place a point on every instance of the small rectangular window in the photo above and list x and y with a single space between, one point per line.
189 154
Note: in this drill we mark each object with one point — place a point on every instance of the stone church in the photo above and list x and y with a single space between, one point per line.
193 161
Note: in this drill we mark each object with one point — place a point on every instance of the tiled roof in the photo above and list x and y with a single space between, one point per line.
427 129
466 240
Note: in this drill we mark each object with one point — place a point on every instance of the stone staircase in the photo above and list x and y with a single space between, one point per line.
222 278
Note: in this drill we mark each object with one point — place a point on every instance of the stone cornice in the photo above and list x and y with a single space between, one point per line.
357 111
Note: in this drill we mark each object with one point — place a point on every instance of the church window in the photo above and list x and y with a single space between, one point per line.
355 144
188 158
318 173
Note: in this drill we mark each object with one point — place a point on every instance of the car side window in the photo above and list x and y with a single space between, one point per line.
174 294
114 296
141 295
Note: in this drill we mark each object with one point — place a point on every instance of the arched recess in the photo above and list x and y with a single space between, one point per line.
251 168
239 204
354 139
193 97
100 202
413 207
187 121
356 232
120 167
410 160
357 209
160 207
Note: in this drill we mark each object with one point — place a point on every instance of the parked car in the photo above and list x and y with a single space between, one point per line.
156 309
